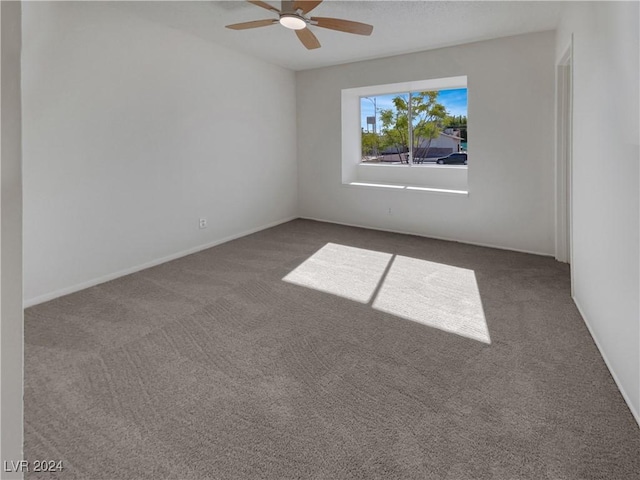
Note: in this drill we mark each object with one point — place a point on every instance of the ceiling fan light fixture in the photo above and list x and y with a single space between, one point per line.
293 15
293 22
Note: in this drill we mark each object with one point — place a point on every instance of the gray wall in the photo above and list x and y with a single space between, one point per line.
511 166
606 173
132 132
11 326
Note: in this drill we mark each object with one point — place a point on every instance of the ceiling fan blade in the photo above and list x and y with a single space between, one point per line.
308 39
306 5
254 24
258 3
342 25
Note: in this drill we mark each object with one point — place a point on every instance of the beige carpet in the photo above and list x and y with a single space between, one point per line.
318 351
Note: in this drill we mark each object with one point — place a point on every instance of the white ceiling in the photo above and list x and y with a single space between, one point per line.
399 26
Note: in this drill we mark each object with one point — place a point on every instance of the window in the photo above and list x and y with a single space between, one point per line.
422 124
418 128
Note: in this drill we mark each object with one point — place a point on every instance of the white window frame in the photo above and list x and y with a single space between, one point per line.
450 179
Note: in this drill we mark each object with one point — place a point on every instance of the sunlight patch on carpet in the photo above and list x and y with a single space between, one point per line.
348 272
434 294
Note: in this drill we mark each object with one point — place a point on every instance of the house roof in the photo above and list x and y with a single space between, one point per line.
450 136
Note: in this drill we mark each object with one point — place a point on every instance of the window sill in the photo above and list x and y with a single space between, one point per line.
416 165
429 178
408 188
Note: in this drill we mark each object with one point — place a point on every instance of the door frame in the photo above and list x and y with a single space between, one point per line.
564 157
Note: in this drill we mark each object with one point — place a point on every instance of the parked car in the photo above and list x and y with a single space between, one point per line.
453 159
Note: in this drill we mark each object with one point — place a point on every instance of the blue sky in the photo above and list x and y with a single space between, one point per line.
455 101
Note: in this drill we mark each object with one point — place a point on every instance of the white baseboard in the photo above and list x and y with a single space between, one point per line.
634 412
121 273
369 227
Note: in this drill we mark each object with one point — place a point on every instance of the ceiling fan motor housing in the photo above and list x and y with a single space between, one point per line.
292 21
293 16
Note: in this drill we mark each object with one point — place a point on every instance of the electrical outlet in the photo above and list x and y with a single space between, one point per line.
203 223
389 212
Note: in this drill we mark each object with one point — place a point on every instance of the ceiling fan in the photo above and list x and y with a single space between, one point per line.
293 15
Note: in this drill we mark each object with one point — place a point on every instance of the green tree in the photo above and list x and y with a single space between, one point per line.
395 126
427 117
370 144
458 122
